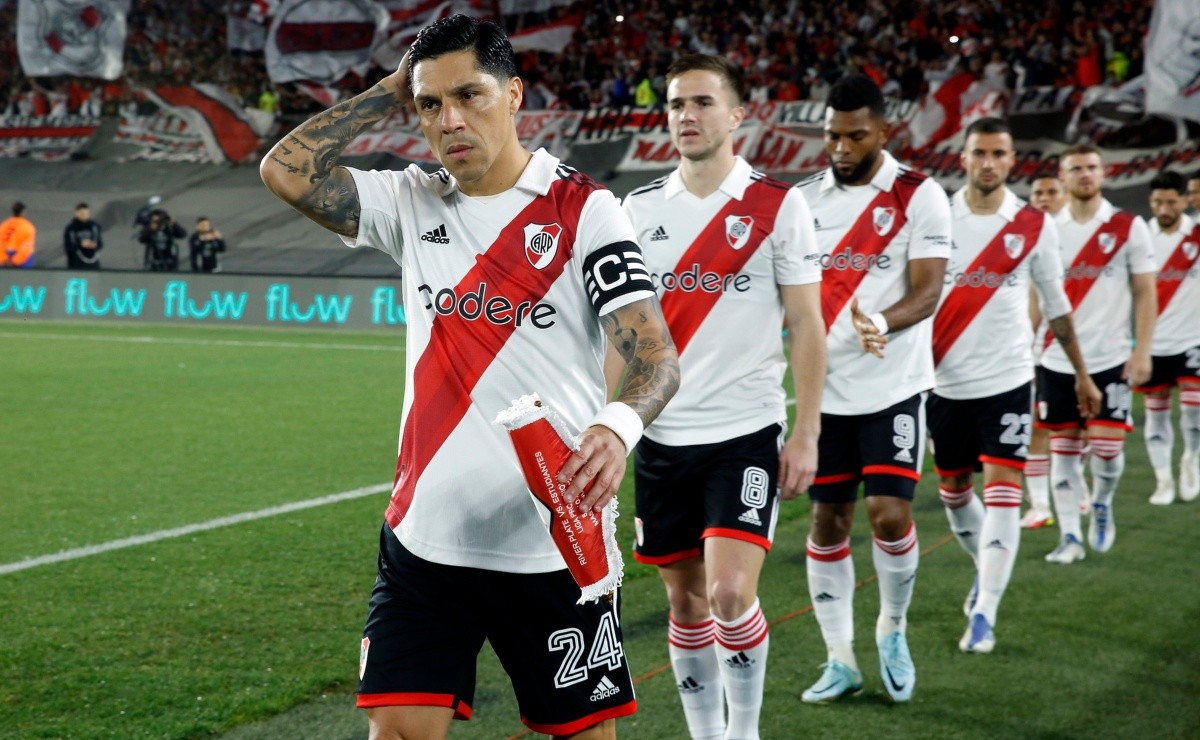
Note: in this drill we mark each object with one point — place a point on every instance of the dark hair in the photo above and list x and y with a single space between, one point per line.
18 208
856 91
1169 180
493 52
990 125
1077 149
202 218
81 205
729 72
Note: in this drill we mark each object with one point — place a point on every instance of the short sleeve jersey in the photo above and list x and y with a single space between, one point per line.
1178 258
867 235
1099 257
503 295
982 339
717 263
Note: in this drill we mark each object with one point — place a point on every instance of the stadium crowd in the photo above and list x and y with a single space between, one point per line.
791 49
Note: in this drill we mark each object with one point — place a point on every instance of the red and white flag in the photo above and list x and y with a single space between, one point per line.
941 111
81 38
1173 59
552 37
323 94
246 24
406 18
322 40
210 112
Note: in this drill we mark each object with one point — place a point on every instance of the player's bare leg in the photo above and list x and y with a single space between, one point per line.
895 554
691 642
733 567
1107 443
410 722
1160 439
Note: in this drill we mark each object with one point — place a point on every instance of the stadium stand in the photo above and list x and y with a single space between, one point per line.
618 51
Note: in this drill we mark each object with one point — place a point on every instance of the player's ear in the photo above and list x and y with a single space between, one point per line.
736 116
516 93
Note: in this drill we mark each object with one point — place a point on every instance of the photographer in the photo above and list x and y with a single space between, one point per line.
82 240
158 236
206 243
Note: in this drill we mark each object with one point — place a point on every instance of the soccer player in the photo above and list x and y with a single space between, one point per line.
517 270
979 413
1193 192
1047 195
1176 350
884 232
1109 277
734 257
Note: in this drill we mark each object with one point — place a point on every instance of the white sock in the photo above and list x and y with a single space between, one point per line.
896 566
1189 420
1001 536
1066 473
965 512
1108 462
1037 479
697 676
742 647
831 588
1159 436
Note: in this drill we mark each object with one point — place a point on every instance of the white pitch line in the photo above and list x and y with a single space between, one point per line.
166 534
142 339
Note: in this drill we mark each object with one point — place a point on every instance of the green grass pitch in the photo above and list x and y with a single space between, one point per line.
251 630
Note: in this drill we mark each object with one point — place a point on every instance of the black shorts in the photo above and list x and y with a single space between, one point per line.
427 623
689 492
1168 371
965 434
882 450
1058 409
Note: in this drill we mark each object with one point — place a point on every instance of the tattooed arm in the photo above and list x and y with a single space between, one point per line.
302 169
1087 395
638 332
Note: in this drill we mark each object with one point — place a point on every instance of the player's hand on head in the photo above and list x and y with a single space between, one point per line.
797 466
869 337
600 463
397 81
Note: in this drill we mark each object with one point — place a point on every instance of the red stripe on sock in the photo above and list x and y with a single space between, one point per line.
902 545
745 634
1002 495
1037 465
830 553
956 499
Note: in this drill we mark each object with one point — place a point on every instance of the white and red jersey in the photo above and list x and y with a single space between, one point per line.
1178 284
503 295
717 263
1099 257
982 339
868 234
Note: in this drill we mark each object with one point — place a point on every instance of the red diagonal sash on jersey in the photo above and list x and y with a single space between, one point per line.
459 351
1089 264
964 303
861 243
710 252
1176 268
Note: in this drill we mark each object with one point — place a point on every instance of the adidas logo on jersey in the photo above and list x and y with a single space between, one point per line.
751 517
740 661
689 686
903 456
437 236
604 689
660 234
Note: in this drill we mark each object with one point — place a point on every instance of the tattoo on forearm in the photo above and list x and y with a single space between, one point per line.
638 333
311 152
1063 330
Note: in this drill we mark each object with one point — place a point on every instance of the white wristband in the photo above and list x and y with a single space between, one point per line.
879 322
623 421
